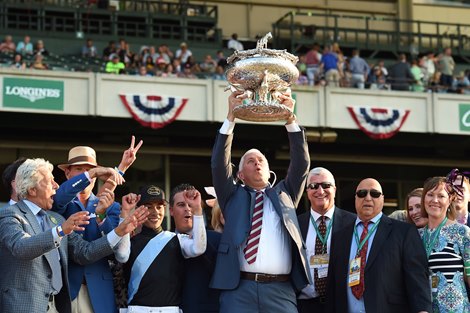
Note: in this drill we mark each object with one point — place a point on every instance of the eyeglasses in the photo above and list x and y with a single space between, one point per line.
315 186
362 193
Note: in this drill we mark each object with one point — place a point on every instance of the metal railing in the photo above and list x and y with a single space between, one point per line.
164 21
371 33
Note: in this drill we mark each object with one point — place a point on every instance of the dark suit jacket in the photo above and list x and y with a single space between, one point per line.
25 269
396 274
341 218
237 204
197 296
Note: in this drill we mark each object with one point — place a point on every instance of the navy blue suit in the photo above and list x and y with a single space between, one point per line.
237 203
98 275
197 296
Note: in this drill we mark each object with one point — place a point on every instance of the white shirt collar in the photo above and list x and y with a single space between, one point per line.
328 213
32 206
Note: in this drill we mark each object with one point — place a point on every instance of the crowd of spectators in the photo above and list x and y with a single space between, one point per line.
429 72
329 66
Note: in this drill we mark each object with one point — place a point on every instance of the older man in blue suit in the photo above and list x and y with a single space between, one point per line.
261 260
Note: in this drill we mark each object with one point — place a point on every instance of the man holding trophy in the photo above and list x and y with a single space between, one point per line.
261 261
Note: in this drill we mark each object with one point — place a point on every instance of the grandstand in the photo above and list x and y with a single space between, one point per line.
433 139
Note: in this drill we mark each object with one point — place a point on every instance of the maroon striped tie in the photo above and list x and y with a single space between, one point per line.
251 249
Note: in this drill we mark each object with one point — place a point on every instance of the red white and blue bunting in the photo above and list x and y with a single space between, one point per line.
153 111
379 123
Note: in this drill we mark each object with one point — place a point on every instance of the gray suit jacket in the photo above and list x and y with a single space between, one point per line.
25 269
237 204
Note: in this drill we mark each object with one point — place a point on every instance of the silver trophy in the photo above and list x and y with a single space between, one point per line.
262 75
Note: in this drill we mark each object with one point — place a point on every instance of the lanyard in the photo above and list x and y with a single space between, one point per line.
362 243
328 229
430 239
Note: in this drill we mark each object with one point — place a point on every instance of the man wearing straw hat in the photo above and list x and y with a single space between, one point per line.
91 286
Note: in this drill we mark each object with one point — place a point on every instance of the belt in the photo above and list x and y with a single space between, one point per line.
264 278
319 300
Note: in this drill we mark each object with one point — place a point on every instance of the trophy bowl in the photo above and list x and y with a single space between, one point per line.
262 75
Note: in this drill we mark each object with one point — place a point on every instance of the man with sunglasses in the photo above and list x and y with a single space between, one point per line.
378 264
318 226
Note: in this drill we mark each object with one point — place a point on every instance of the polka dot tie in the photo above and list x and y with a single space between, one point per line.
320 283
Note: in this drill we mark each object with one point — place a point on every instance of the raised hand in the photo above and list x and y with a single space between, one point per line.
129 202
129 155
193 198
131 222
106 200
76 222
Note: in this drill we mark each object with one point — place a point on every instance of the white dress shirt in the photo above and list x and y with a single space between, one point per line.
309 291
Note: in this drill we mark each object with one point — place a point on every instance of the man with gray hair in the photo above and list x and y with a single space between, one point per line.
261 260
35 244
318 225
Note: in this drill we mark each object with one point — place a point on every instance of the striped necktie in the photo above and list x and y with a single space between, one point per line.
251 249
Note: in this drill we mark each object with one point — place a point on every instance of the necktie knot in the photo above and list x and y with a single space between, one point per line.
365 224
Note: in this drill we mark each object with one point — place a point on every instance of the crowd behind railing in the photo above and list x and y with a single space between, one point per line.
429 72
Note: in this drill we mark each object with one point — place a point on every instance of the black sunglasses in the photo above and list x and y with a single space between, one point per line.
317 185
362 193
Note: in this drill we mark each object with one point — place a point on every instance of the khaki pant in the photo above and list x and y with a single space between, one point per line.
82 303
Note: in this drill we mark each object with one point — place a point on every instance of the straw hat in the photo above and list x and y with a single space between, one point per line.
80 155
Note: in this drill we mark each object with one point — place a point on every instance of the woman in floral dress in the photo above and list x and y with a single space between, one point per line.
447 245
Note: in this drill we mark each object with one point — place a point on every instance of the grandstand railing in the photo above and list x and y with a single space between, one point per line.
142 19
369 32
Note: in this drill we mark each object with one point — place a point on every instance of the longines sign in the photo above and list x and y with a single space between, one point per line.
33 93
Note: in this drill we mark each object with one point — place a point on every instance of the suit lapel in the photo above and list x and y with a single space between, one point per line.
30 217
383 230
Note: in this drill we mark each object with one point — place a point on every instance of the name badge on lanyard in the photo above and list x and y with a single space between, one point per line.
354 272
320 262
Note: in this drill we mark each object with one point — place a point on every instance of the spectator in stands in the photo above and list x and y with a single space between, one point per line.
89 50
460 203
429 64
110 49
177 67
40 48
149 64
7 46
25 47
115 65
359 70
221 59
194 65
169 72
312 60
400 76
219 73
208 65
143 72
183 53
435 83
417 77
18 62
413 213
329 65
8 178
234 44
446 66
461 84
187 72
165 52
160 67
376 79
134 64
152 52
38 63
